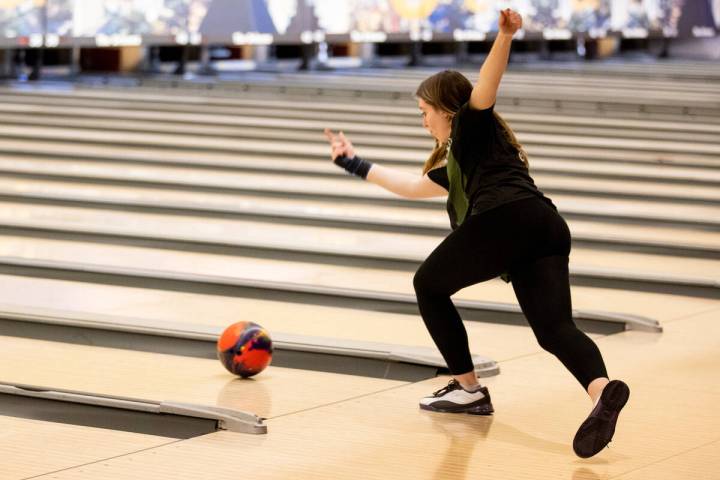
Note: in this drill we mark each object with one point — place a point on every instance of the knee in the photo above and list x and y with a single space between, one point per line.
420 281
552 339
424 282
547 342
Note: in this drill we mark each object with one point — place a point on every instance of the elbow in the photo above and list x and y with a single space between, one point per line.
409 195
409 191
483 97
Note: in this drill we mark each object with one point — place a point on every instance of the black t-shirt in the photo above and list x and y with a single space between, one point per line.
493 172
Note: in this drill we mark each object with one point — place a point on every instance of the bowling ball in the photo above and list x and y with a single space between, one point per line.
245 349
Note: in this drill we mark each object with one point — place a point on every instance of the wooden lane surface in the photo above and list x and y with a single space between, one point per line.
560 161
219 125
538 409
17 153
348 210
279 114
391 136
300 239
700 462
171 378
567 74
144 155
193 311
227 108
607 74
314 185
263 112
539 91
528 87
267 104
653 305
592 89
268 234
280 142
30 448
189 103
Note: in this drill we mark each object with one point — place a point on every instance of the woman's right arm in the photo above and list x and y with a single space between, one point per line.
485 89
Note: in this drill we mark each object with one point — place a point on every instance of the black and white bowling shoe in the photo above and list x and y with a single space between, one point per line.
453 398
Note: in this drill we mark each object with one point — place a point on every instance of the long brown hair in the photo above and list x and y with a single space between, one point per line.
447 91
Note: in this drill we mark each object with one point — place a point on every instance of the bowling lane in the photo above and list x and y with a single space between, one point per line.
278 142
348 210
226 203
188 103
172 378
556 161
385 436
191 122
294 116
590 86
163 156
30 448
224 231
656 306
314 185
84 107
345 242
196 312
246 125
522 85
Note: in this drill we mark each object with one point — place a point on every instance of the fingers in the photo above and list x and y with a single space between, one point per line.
335 139
339 144
334 144
513 16
340 140
510 20
329 134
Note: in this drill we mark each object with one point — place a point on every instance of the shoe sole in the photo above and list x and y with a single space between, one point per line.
476 410
602 426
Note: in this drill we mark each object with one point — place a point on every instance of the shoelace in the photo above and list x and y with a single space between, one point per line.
452 385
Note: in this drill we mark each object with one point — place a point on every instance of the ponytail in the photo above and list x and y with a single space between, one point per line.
437 157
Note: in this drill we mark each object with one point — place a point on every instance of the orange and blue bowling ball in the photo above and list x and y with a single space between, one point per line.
245 349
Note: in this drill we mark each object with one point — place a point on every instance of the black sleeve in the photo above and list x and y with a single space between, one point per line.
472 134
439 176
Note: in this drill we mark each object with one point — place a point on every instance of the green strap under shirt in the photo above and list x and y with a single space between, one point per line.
456 190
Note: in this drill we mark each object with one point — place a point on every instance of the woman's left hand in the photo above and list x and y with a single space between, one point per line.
509 22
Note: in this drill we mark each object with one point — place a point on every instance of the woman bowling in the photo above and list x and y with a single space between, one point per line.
502 226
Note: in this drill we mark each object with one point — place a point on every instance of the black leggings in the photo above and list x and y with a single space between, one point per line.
529 240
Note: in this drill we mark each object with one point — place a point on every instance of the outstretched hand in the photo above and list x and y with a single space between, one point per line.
339 144
509 22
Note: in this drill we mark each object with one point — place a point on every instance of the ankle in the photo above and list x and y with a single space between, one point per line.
472 387
468 381
596 387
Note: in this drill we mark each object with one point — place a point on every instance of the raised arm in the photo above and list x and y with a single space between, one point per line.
405 184
493 68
